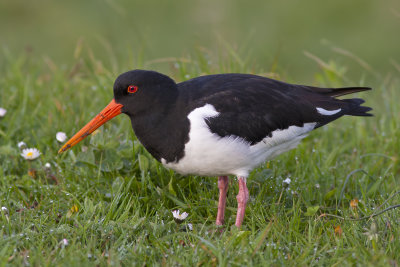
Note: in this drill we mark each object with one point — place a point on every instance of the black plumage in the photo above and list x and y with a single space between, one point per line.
250 107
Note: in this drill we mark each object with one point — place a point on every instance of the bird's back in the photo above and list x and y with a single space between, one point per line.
238 121
252 106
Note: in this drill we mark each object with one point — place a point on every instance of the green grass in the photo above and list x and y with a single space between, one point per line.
125 198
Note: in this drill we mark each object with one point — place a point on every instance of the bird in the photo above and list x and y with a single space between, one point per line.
221 124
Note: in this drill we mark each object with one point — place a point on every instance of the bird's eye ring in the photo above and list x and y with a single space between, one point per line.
132 89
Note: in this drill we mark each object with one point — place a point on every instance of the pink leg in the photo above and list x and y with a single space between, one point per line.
223 182
242 198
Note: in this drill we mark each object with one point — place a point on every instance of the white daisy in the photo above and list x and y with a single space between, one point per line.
30 153
61 137
287 181
21 145
179 217
2 112
47 165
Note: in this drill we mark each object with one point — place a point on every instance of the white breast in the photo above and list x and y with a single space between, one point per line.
209 154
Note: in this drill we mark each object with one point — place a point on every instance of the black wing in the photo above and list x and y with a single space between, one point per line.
252 107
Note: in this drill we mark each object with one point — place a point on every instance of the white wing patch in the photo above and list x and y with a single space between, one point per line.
328 112
209 154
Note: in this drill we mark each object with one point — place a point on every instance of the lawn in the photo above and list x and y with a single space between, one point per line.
107 202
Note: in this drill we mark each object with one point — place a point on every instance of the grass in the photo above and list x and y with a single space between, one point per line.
113 202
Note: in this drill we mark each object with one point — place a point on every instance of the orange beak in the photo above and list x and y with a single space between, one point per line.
110 111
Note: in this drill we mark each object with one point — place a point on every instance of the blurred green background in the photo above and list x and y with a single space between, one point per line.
272 35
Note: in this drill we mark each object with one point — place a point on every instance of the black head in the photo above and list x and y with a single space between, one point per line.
141 90
135 92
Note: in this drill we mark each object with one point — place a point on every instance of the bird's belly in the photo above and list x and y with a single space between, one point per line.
209 154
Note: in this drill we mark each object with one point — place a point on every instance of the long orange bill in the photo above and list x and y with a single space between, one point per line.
110 111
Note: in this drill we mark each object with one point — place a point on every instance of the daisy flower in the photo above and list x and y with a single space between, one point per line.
61 137
2 112
372 233
287 181
21 145
30 153
179 218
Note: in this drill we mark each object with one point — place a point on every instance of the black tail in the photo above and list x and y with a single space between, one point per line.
354 107
349 106
328 101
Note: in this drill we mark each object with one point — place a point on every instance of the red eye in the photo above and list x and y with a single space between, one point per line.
132 89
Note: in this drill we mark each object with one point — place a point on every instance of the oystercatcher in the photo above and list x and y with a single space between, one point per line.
219 125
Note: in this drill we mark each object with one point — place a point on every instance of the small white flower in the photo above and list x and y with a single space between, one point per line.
64 242
30 153
287 181
190 226
4 210
2 112
47 165
317 186
61 137
21 145
372 233
179 217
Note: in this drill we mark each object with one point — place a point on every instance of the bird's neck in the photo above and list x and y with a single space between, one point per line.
163 132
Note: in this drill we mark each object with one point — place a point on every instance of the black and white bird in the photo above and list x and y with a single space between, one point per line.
219 125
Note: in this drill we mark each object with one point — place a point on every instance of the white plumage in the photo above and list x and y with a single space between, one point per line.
323 111
209 154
